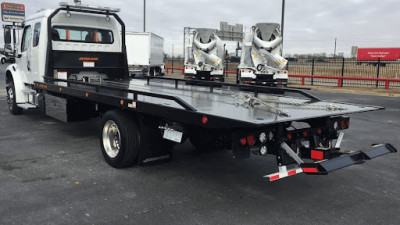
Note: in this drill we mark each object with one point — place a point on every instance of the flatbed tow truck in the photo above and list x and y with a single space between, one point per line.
76 78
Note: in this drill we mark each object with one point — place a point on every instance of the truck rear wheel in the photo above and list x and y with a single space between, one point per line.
119 139
12 104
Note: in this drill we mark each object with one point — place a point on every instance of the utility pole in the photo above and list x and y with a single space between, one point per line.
334 52
282 24
144 15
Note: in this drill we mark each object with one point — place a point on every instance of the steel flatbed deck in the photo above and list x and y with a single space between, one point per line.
172 98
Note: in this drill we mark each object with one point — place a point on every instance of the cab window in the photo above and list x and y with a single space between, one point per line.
25 38
82 34
36 34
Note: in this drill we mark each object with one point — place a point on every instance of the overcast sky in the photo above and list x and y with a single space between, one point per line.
310 25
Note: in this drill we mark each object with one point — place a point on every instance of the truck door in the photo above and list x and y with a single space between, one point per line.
24 61
33 54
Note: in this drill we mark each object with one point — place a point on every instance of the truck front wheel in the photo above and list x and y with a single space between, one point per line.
119 139
12 104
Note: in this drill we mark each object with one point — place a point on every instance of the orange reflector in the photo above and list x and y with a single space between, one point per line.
204 120
87 95
250 140
310 170
121 102
319 155
60 89
243 141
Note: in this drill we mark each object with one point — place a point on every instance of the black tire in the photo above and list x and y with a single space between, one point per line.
152 72
128 141
3 60
12 104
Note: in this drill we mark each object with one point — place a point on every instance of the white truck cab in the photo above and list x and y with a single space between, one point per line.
57 43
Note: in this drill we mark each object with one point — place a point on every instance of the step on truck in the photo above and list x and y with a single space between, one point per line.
261 62
72 65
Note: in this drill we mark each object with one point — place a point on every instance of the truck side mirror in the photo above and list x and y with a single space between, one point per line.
7 36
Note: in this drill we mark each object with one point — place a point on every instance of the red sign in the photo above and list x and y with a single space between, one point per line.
373 54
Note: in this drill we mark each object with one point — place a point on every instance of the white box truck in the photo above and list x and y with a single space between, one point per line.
145 52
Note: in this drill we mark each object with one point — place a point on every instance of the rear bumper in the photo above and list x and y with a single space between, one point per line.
347 159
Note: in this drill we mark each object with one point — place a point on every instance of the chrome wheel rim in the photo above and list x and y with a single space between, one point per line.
111 139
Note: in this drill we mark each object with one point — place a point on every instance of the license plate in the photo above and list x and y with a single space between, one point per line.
173 135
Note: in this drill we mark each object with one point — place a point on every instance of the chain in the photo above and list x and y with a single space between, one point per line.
252 102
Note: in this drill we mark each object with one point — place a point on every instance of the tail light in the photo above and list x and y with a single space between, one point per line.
243 141
251 140
204 120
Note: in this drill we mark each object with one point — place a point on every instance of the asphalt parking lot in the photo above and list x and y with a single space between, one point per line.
54 173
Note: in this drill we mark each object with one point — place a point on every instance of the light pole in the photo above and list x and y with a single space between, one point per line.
144 15
282 23
172 58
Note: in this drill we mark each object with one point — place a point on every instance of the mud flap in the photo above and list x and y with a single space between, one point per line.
326 166
153 148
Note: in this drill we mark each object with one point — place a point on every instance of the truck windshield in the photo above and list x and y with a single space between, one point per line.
82 34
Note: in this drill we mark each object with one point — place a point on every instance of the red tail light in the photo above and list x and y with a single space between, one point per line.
204 120
249 71
319 131
305 133
289 136
250 140
243 141
342 124
242 71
